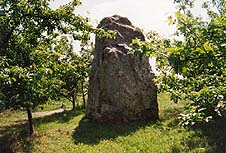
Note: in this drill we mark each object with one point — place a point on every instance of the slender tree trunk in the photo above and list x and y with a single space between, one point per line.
83 96
30 121
73 103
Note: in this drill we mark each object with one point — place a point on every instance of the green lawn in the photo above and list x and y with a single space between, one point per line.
63 132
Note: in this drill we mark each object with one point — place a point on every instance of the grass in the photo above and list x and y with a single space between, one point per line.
65 132
53 104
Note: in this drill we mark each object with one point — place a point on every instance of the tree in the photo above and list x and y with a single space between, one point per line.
28 65
73 70
196 65
201 60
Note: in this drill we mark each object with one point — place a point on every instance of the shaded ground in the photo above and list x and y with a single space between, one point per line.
15 138
213 132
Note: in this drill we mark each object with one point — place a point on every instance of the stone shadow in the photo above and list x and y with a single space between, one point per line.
92 132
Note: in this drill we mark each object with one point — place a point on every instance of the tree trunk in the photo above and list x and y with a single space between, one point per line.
73 103
30 121
83 96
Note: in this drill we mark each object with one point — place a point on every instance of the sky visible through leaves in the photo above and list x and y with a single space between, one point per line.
149 15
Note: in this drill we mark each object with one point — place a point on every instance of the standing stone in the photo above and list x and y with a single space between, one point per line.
120 85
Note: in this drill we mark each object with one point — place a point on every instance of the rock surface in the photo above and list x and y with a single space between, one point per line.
120 86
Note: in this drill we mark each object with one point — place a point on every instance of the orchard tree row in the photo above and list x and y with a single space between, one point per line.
37 60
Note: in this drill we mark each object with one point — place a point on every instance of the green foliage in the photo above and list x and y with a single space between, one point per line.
29 66
194 68
201 60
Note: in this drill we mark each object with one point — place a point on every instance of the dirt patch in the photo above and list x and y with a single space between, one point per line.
42 114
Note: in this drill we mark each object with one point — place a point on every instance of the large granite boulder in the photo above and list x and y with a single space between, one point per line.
120 85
